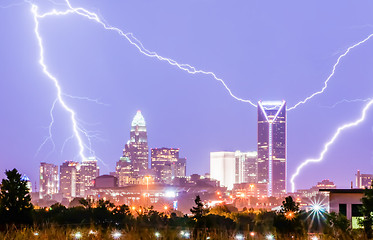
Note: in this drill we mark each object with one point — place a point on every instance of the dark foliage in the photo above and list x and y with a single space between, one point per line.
15 201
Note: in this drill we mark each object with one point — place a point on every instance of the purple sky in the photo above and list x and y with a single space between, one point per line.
263 51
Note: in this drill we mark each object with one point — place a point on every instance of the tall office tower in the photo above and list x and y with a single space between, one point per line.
246 167
48 182
88 172
223 168
363 180
136 148
272 146
179 169
166 164
123 171
69 179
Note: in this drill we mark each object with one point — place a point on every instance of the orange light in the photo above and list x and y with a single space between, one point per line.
289 215
165 207
133 208
252 234
218 193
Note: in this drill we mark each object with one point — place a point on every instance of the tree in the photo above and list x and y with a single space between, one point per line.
288 222
367 211
289 206
15 201
337 226
198 211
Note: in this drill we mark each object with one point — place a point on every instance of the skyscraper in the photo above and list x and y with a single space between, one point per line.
272 146
69 179
230 168
123 171
48 182
136 149
246 167
223 168
167 165
88 172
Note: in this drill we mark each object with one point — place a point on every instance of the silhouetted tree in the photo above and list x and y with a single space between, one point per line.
15 201
288 222
337 226
198 211
367 211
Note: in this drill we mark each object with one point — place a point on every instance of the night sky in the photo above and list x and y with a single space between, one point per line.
264 50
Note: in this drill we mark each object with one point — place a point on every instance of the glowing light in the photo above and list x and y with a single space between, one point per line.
290 215
318 209
157 234
170 194
165 207
315 238
239 237
185 234
331 74
330 142
116 234
91 232
78 235
270 237
36 234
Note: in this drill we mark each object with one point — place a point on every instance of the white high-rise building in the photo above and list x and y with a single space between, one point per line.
223 168
230 168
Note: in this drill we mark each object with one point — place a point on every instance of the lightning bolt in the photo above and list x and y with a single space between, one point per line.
330 142
137 44
331 74
50 136
348 101
77 131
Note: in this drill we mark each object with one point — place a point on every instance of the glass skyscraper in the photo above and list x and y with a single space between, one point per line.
272 146
136 149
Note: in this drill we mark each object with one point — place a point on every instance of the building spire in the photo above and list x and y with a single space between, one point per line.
138 120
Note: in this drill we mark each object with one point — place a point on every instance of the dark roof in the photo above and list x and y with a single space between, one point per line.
354 190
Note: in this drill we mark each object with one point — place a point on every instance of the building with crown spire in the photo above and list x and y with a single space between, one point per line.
135 159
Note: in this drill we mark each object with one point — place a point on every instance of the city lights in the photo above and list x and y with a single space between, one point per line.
270 237
289 215
239 237
185 234
78 235
116 234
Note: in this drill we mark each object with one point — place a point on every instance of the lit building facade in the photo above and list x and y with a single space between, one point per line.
88 172
136 149
223 168
123 171
272 146
48 180
167 164
246 167
69 179
363 180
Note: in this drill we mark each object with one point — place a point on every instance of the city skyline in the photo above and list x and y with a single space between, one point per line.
191 112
